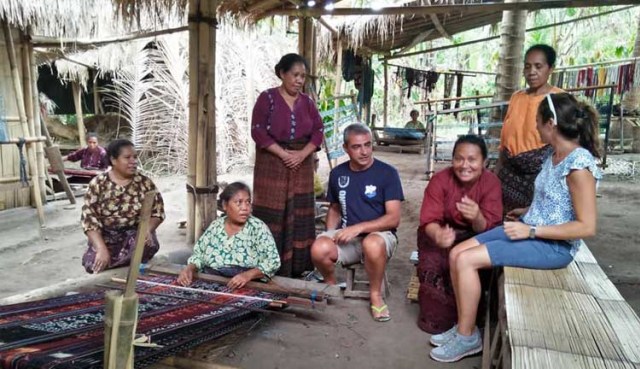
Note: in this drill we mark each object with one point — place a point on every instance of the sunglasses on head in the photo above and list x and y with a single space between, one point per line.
553 110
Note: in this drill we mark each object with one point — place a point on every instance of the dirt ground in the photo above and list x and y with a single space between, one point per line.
344 336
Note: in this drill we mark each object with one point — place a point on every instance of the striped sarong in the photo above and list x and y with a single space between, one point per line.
518 176
283 199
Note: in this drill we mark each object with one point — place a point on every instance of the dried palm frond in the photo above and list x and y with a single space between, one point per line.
130 96
90 18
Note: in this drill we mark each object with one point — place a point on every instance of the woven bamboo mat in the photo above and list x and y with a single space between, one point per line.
569 318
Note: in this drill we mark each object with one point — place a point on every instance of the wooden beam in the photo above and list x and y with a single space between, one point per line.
385 98
439 27
440 9
44 41
466 43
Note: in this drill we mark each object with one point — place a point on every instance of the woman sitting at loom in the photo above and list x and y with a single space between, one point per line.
111 212
236 245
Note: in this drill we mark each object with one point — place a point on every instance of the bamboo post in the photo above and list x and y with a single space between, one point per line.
121 313
77 102
97 104
193 119
385 99
202 117
30 109
18 93
211 198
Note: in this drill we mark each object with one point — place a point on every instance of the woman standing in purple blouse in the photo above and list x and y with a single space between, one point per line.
287 129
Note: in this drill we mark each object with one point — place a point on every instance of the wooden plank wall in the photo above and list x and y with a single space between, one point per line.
11 194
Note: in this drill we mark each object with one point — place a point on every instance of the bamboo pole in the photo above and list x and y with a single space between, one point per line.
37 119
30 109
193 119
77 102
44 41
202 119
28 140
121 310
211 203
385 100
18 92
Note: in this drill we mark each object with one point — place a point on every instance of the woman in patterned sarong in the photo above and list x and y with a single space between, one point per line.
459 202
521 149
111 212
237 245
287 129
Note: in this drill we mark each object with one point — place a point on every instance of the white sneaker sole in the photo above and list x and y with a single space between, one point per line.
457 358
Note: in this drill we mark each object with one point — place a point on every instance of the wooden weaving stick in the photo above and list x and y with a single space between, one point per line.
143 229
119 280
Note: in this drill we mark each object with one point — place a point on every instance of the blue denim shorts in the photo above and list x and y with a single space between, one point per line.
535 253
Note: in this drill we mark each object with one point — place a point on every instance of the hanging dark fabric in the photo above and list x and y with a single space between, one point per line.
349 63
366 88
459 78
24 179
426 80
448 86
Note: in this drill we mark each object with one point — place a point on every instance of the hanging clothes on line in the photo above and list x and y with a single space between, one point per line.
448 86
426 80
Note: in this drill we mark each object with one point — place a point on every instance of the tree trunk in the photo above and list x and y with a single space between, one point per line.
631 100
512 34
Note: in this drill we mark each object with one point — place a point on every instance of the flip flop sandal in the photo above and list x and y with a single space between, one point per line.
375 310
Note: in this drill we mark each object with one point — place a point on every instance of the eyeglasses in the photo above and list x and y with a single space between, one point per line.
553 110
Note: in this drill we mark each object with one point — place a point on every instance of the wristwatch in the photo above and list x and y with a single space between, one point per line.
532 232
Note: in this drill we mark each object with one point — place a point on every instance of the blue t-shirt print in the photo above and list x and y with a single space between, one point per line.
362 195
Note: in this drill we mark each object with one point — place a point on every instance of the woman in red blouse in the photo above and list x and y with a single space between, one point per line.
459 202
287 129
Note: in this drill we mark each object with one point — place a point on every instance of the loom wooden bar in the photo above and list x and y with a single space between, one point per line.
278 284
19 95
55 160
141 235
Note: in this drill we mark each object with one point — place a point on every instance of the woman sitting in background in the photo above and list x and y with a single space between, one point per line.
91 157
111 212
236 245
459 202
548 235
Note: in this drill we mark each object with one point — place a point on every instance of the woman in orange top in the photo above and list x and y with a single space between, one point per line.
521 149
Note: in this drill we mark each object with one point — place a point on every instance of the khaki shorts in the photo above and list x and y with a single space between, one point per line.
351 253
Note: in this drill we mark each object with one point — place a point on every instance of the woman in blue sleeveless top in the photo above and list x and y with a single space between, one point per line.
544 236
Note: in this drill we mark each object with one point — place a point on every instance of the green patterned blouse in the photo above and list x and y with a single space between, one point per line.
252 247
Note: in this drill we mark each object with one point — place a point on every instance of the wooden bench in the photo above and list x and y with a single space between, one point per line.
568 318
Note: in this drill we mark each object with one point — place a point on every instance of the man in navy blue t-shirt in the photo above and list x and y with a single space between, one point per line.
365 196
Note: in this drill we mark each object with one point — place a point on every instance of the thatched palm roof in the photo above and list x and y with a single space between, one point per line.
88 18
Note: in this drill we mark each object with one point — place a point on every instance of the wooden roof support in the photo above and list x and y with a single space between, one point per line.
439 27
43 41
440 48
440 9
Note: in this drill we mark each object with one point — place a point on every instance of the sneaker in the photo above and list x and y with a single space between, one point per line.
313 276
458 347
444 337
